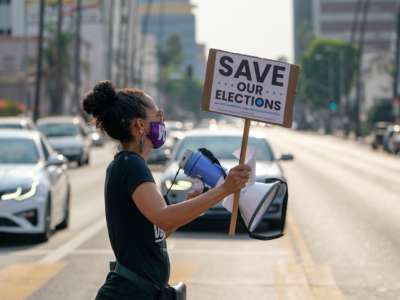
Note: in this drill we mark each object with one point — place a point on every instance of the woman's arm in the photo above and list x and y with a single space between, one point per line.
190 195
150 202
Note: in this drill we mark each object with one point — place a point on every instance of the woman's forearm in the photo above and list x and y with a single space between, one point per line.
179 214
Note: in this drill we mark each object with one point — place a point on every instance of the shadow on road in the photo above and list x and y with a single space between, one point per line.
13 242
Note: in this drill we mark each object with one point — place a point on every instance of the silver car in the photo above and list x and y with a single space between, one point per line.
34 185
17 123
68 136
222 144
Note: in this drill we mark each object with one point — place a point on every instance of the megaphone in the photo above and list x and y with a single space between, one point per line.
198 165
255 200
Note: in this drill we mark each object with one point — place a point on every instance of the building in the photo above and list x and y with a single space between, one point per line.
335 19
16 74
165 18
19 19
341 19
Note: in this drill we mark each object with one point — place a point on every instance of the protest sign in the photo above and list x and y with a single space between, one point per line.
252 88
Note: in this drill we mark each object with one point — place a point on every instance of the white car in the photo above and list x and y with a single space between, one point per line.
222 143
69 136
34 185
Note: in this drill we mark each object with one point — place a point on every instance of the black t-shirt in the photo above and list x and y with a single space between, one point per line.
137 243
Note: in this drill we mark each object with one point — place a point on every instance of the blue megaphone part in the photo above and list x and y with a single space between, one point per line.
196 164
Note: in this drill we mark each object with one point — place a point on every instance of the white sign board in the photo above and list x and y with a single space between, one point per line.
250 87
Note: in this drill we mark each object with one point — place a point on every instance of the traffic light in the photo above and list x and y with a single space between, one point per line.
332 106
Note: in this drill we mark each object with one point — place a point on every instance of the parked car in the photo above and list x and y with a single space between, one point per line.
68 136
34 185
394 140
222 144
17 123
378 134
388 135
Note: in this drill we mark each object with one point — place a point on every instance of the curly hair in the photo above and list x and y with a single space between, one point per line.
115 110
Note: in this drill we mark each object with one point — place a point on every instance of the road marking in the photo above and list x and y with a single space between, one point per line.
19 281
303 279
299 241
74 243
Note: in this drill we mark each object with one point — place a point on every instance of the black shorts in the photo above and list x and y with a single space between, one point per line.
119 288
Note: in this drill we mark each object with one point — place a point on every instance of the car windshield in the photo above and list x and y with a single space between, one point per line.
18 151
59 129
223 146
11 126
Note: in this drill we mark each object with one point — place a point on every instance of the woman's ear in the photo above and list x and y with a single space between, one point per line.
140 125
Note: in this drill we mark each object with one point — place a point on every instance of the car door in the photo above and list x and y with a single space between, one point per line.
58 185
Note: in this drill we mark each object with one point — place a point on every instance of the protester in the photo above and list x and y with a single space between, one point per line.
138 218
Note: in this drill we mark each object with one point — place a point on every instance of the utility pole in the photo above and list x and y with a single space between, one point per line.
396 100
364 20
122 66
58 106
39 67
78 20
27 101
110 38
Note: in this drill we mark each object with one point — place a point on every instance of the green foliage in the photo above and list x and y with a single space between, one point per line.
50 65
328 72
181 91
10 108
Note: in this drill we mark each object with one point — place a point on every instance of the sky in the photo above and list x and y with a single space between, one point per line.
262 28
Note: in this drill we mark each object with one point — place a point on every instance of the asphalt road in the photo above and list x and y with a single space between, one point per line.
341 242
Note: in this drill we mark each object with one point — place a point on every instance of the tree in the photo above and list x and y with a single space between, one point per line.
50 67
50 62
328 72
182 92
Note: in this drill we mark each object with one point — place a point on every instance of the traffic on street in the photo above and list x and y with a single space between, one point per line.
340 239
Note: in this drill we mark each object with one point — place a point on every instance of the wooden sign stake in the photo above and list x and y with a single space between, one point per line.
235 206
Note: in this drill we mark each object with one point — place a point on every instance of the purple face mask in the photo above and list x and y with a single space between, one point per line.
157 134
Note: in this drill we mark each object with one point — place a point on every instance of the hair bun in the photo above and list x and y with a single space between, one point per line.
100 99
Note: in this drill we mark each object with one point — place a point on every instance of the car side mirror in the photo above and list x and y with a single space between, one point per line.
56 159
286 157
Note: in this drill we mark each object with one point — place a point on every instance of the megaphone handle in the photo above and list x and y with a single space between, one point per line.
236 198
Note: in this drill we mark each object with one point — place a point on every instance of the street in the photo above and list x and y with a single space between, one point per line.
341 242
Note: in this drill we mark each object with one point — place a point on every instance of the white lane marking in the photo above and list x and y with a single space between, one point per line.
74 243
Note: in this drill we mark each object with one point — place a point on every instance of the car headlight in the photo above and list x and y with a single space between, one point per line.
180 185
22 193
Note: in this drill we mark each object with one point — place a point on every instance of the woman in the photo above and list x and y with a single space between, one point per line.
138 219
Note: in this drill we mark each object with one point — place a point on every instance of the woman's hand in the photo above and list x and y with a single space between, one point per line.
237 178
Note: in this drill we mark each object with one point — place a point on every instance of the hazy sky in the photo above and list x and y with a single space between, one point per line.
255 27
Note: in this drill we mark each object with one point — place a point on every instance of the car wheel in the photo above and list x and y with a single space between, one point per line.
80 162
44 237
65 222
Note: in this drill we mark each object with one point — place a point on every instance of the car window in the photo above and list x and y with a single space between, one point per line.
11 126
223 146
59 129
18 151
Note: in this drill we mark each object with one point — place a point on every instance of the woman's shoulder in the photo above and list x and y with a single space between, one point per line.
128 160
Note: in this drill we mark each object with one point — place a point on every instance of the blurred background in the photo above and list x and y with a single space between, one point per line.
341 158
